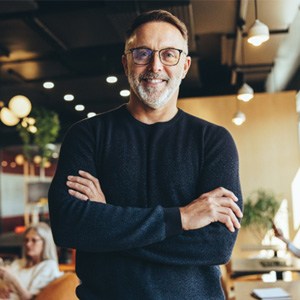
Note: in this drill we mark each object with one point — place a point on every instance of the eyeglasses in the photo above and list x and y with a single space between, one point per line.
33 240
167 56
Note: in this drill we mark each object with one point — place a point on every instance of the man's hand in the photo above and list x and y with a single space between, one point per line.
85 187
218 205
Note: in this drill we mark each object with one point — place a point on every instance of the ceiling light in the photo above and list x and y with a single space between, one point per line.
125 93
48 85
91 114
8 117
245 93
68 97
258 32
20 106
79 107
111 79
239 118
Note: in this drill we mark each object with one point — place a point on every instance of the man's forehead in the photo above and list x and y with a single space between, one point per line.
162 32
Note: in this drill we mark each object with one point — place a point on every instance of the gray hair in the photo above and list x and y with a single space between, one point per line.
45 233
157 16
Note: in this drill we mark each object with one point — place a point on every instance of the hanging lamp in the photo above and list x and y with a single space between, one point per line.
258 32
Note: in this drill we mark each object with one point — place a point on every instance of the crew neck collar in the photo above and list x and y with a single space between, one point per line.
177 116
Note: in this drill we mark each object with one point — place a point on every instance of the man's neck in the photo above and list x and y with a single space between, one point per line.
148 115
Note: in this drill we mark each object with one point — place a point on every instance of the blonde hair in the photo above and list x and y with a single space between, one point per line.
45 233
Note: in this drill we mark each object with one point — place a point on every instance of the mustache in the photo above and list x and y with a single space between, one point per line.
151 75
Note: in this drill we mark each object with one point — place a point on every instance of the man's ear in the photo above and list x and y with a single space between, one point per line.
187 64
125 65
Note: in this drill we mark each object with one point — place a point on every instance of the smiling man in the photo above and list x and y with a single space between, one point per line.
148 194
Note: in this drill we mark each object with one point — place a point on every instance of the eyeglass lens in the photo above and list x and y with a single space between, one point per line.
143 56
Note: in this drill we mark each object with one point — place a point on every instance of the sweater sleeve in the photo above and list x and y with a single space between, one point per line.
213 244
95 227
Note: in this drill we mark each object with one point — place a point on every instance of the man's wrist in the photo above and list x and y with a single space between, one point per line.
183 218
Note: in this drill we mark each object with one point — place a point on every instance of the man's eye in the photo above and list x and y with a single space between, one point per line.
170 54
143 53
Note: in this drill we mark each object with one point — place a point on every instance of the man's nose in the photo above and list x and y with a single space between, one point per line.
155 64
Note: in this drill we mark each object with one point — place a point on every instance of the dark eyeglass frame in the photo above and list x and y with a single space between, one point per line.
159 55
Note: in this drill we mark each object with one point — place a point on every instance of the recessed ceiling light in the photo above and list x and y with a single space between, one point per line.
125 93
79 107
69 97
91 114
111 79
48 85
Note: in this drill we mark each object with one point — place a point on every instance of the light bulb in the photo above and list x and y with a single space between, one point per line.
245 93
20 106
239 118
8 117
258 33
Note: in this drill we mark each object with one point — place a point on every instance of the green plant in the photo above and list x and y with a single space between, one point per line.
47 128
259 212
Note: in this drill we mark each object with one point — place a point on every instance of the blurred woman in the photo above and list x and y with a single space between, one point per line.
25 277
290 246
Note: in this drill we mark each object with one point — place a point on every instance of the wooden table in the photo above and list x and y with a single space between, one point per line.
243 289
248 266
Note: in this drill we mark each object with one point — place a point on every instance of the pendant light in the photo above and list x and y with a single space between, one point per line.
245 92
258 32
239 117
18 107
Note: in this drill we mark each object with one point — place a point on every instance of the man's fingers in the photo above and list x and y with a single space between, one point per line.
87 186
225 219
92 178
232 219
227 202
80 188
83 181
78 195
221 192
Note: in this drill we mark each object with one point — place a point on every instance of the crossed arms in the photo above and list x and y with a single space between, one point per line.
207 225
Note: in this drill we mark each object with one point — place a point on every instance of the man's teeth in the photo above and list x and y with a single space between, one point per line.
154 80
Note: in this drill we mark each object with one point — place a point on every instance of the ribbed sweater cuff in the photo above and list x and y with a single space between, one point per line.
173 221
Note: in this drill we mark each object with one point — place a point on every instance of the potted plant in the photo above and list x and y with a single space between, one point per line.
37 131
259 212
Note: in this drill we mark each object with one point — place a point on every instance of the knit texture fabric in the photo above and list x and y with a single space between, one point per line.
134 247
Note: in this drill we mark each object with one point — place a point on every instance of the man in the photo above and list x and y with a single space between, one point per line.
163 186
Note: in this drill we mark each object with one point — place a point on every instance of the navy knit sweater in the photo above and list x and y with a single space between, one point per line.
134 247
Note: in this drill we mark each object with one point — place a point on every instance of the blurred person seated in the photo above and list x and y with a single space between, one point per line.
24 278
290 246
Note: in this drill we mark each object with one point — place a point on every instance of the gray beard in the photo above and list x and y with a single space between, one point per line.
150 96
